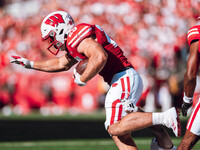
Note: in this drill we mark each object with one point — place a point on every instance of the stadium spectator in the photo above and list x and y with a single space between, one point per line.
157 28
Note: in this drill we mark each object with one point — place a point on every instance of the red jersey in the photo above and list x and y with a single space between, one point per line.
193 34
116 60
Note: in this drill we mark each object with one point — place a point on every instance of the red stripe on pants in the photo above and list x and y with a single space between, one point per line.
120 113
123 88
129 87
193 116
114 111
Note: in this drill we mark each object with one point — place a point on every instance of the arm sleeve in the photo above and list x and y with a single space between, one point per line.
82 32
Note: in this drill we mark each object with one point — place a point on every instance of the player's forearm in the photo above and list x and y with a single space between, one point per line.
94 66
189 85
50 65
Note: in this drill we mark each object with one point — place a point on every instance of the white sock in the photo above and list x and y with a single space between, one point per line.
157 118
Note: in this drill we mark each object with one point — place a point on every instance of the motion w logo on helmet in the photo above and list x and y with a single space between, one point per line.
54 20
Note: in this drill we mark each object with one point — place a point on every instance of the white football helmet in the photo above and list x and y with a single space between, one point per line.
55 27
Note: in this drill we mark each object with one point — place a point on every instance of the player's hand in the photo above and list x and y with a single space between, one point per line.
77 79
22 61
185 107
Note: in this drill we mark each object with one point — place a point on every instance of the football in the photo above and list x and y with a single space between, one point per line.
81 66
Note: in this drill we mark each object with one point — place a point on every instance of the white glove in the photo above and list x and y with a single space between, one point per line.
22 61
77 77
129 106
187 103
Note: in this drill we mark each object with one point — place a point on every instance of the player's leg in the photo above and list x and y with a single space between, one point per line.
132 122
193 129
162 138
159 132
127 88
139 120
125 142
155 146
118 90
115 112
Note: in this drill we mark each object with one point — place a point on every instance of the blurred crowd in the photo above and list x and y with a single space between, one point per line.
152 34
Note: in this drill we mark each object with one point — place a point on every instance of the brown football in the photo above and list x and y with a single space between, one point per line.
81 66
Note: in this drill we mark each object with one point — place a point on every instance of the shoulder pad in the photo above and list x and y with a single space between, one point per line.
193 34
78 33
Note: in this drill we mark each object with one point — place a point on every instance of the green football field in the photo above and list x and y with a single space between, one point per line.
75 144
94 144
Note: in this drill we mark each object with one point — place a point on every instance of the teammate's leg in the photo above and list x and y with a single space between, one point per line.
188 141
193 129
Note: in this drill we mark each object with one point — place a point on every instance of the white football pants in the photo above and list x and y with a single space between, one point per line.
124 85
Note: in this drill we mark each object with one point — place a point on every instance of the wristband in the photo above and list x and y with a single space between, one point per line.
187 99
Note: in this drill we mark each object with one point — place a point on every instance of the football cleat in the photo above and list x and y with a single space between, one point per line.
172 120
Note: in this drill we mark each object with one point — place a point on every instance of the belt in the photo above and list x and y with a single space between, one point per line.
125 68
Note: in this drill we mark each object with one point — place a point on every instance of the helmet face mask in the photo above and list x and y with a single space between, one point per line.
55 45
55 27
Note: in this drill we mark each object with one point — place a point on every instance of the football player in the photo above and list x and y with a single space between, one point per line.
193 126
105 58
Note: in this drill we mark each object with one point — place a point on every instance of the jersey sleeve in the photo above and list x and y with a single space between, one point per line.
82 31
193 34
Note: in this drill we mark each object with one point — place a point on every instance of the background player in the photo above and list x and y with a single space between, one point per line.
193 126
105 58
